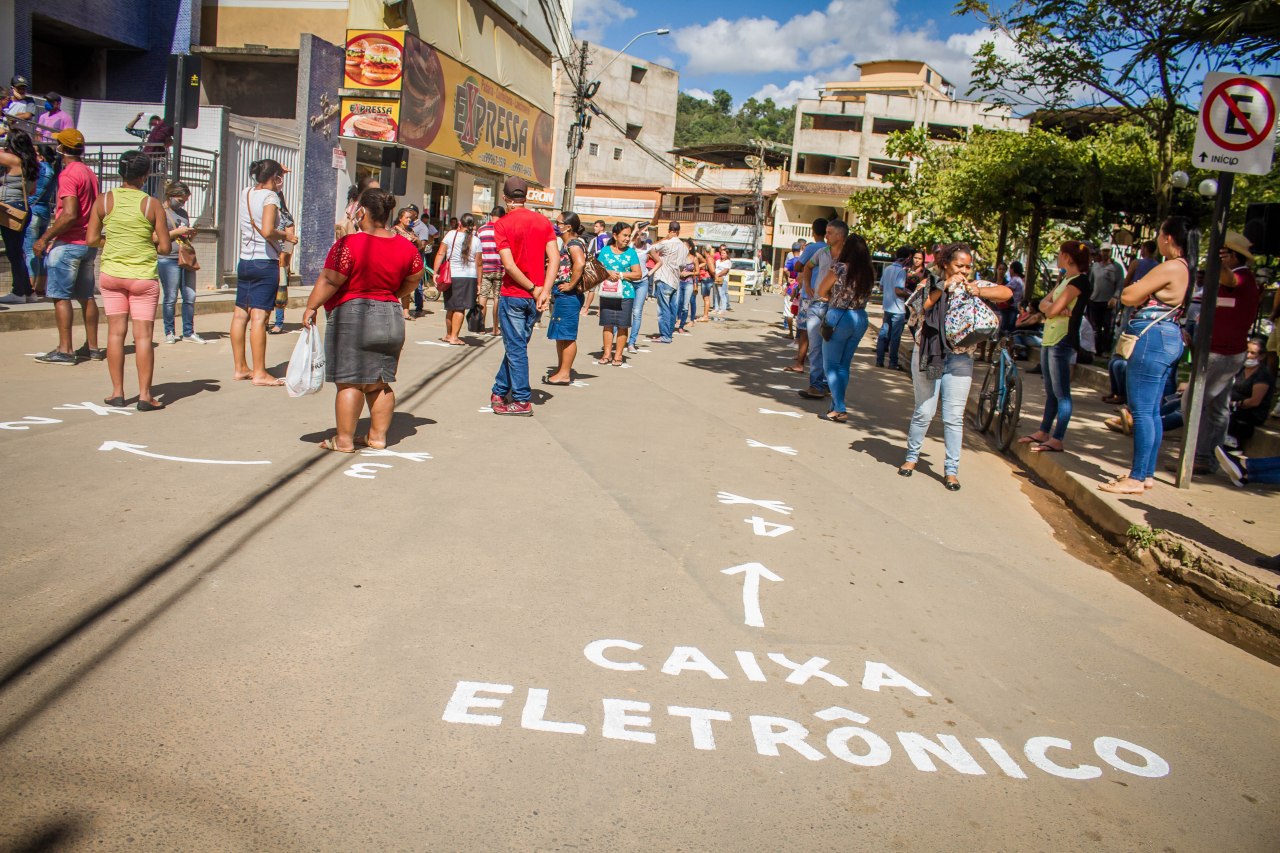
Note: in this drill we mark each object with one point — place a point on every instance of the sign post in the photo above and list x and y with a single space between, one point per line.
1235 132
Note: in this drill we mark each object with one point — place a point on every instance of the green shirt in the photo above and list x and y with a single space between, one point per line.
128 252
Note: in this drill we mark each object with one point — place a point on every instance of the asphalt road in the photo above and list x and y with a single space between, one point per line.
520 634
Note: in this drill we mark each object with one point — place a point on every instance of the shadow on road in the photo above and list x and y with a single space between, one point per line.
403 426
172 392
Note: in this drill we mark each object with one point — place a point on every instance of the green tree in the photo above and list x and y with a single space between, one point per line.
700 122
1078 52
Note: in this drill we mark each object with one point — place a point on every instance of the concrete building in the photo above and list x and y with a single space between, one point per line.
714 191
840 136
616 178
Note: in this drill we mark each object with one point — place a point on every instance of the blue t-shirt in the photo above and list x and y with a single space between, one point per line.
893 277
620 262
806 255
41 199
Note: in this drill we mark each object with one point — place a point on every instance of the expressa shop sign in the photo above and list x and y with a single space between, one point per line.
477 119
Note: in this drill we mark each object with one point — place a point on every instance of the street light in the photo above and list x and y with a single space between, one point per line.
584 91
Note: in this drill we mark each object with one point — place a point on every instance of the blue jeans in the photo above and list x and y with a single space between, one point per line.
685 298
953 388
890 338
837 353
68 271
35 227
1055 365
1263 469
813 326
516 317
637 309
666 310
14 240
174 278
720 295
1154 356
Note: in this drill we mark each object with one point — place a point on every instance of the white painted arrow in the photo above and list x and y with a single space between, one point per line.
434 343
752 573
138 450
731 499
785 414
382 451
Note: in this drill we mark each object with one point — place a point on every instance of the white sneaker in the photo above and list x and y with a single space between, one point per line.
632 348
194 339
33 298
171 338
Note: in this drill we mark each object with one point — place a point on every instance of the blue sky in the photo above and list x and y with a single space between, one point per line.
783 49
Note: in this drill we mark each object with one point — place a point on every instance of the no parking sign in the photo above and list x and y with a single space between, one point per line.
1236 130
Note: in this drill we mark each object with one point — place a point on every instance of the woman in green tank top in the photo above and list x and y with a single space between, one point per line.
128 224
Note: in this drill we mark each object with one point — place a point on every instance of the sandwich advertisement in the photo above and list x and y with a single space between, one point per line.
445 107
375 60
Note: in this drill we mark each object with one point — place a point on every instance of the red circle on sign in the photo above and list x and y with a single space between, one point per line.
1255 138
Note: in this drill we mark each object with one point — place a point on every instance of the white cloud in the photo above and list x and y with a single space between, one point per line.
590 20
700 94
824 45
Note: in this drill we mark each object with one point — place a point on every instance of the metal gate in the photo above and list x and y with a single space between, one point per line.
247 141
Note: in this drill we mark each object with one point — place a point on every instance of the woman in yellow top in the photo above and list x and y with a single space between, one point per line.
133 226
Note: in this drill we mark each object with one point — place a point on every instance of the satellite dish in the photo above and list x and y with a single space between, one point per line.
753 161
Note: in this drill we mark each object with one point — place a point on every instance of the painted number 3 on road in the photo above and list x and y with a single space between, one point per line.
1236 131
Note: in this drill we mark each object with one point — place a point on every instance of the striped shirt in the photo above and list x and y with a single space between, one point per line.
489 249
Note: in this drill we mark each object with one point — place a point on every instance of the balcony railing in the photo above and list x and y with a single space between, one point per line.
697 216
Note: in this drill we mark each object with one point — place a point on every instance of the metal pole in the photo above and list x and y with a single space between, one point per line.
179 113
1204 330
757 181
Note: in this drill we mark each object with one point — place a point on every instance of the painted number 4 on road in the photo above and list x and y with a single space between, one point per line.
1236 131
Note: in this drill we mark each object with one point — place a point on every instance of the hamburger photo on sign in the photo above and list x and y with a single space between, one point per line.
373 61
373 120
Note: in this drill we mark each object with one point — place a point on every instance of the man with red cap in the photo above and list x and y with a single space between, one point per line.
530 259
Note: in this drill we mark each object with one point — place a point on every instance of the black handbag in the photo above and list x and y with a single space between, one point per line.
475 319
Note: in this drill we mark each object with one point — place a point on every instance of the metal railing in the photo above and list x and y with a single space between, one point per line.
696 216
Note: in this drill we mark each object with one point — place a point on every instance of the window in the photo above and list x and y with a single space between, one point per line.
617 153
637 73
593 149
633 131
721 205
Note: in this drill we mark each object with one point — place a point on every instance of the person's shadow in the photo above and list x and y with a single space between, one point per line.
171 392
403 426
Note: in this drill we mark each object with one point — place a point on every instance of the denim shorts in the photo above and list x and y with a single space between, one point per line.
69 271
256 283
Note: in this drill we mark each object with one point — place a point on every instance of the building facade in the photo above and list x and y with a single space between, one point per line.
714 192
840 137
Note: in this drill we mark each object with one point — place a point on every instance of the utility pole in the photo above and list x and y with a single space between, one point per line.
757 202
578 130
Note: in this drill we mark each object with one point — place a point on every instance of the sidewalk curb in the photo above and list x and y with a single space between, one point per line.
1173 557
41 316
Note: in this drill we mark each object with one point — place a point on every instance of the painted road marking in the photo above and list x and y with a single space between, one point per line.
27 422
488 409
434 343
780 387
382 451
139 450
760 527
731 499
752 573
789 451
93 407
784 414
578 383
365 470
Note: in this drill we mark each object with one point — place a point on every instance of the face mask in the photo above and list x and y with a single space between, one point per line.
558 229
1252 362
48 106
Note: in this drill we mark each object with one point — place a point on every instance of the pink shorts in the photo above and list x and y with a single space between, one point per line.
137 297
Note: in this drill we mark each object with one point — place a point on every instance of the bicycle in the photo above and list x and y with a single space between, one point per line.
1001 396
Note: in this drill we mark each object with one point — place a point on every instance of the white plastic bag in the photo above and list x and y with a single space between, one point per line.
306 365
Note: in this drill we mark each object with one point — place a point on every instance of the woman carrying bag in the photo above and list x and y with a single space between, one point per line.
568 300
178 268
459 252
21 169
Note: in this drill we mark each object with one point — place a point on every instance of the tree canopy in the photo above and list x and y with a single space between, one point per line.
700 122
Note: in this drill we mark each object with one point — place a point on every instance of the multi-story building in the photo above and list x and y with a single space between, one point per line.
635 109
840 137
714 191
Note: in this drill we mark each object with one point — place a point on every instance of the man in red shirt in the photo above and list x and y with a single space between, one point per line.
69 267
530 259
1234 314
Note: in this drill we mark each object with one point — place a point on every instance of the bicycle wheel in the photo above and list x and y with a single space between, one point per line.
987 400
1011 411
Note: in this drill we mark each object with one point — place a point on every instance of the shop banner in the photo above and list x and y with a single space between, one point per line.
375 60
451 110
722 232
538 197
377 119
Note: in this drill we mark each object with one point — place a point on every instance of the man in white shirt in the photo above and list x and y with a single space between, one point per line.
670 255
893 285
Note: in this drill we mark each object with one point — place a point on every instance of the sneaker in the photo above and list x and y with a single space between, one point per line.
33 298
194 339
1235 471
55 357
814 393
495 401
171 338
96 354
13 299
632 348
515 408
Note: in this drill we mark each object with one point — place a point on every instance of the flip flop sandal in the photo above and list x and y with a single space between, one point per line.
1026 439
837 417
547 381
1046 448
363 441
116 402
328 444
1113 487
616 363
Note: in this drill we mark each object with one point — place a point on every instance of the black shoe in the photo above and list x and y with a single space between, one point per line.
952 485
906 472
85 353
144 406
55 357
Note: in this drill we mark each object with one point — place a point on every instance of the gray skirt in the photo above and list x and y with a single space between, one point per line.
362 342
616 312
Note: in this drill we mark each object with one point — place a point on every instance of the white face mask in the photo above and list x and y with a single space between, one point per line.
1252 362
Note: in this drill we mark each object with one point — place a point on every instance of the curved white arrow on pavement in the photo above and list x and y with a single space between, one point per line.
139 450
752 573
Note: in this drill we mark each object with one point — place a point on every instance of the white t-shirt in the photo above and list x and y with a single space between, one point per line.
672 255
454 243
252 245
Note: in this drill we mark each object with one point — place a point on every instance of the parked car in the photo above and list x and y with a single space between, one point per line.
752 274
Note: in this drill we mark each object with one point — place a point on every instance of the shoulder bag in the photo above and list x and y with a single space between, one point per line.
1126 343
969 321
444 274
14 218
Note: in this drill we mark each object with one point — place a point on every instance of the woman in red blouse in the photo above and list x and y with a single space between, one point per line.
364 278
